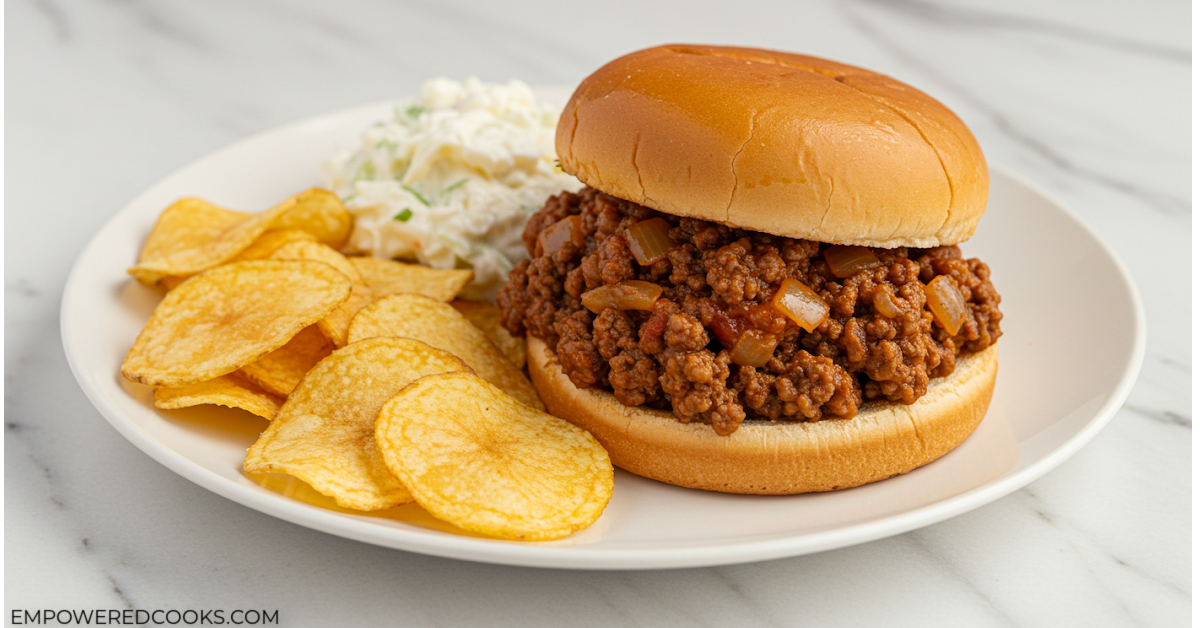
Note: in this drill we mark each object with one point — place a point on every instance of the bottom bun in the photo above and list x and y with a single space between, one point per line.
776 457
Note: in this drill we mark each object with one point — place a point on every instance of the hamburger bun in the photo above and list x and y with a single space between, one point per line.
782 143
776 457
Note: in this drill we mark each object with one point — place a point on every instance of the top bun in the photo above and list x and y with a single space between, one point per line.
782 143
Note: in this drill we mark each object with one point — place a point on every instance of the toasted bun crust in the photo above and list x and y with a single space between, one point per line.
787 144
776 458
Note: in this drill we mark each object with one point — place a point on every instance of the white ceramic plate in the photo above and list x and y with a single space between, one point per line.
1061 288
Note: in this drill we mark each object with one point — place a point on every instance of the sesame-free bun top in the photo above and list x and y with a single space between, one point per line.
771 141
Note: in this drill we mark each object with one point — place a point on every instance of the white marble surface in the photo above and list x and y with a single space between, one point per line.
1090 100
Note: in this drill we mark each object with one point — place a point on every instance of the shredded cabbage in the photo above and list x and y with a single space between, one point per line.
450 179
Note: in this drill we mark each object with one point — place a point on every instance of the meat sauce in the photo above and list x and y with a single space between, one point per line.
699 327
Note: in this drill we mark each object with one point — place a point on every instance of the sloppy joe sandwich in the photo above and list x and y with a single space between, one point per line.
759 290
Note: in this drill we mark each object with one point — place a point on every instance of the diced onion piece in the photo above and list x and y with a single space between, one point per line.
800 303
885 304
946 302
630 294
569 229
754 348
846 261
649 240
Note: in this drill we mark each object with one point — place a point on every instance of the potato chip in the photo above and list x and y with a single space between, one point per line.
335 325
475 457
187 224
319 212
281 370
417 316
486 317
259 249
267 243
230 316
230 391
325 432
386 276
193 255
191 241
170 282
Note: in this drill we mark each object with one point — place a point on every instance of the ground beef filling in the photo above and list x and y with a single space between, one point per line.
878 342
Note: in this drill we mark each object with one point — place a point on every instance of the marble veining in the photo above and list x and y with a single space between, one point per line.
1088 101
1164 416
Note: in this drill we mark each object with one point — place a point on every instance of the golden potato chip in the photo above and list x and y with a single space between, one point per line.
335 325
267 243
281 370
230 316
230 391
319 212
417 316
486 317
170 282
385 276
261 248
189 224
325 432
181 249
193 255
475 457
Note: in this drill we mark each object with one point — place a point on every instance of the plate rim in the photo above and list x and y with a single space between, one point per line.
584 557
